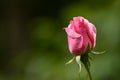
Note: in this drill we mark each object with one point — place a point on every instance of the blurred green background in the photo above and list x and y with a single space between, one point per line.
33 44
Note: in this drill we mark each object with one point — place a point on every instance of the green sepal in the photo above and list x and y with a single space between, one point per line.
97 53
70 61
78 62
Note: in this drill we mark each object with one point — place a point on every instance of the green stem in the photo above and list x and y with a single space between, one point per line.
88 70
85 61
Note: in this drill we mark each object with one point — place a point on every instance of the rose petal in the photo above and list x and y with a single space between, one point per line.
71 33
91 31
75 45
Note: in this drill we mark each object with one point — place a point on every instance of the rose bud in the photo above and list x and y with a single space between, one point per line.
81 33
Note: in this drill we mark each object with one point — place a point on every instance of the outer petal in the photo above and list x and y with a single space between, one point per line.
91 31
71 33
75 45
77 21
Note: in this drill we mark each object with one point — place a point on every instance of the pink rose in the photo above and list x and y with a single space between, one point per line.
80 33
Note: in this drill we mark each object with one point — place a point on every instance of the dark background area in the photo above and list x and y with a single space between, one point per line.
33 44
